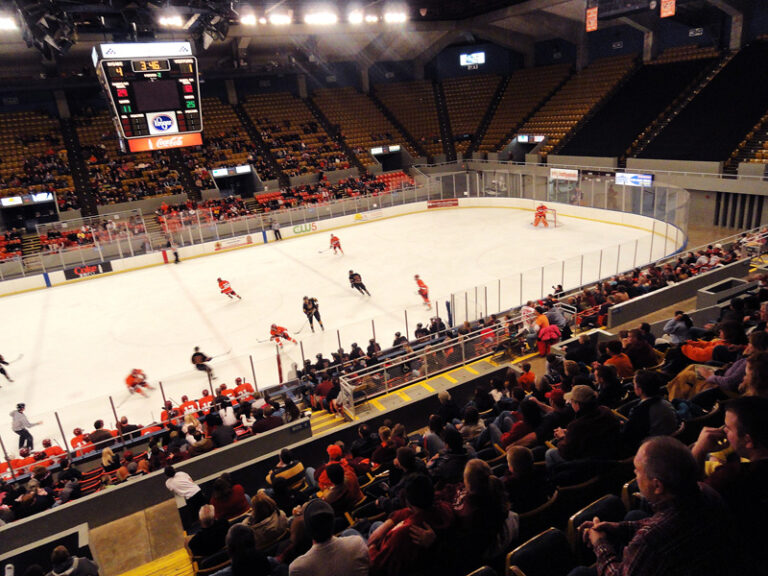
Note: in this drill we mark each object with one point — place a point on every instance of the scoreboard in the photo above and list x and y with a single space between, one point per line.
154 93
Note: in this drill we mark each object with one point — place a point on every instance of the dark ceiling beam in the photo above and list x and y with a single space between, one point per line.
523 9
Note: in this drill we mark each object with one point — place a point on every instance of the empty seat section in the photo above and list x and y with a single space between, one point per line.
467 100
413 104
362 124
576 98
527 89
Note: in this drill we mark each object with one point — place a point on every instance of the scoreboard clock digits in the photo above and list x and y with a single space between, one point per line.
150 65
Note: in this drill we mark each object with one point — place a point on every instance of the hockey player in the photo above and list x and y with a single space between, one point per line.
137 380
311 311
541 216
227 289
357 283
336 244
423 291
188 406
4 363
199 360
278 332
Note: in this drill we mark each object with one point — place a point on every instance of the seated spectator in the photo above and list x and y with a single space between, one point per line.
486 526
527 379
448 466
557 414
101 437
364 445
697 378
344 493
449 410
64 563
228 499
756 379
268 422
330 555
653 416
386 451
432 442
200 445
582 351
267 522
222 434
610 391
743 482
211 536
399 545
335 455
619 360
109 460
641 353
245 557
526 487
678 329
530 419
688 532
471 427
593 435
288 468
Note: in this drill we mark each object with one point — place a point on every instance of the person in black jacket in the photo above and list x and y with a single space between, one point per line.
653 416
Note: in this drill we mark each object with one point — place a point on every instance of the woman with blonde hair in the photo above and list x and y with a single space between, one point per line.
109 461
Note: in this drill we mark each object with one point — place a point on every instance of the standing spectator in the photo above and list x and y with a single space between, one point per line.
330 555
275 226
20 425
181 484
64 563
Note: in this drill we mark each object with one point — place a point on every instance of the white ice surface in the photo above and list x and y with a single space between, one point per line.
79 341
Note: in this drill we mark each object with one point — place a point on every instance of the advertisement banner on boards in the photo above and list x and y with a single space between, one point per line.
87 270
563 174
447 203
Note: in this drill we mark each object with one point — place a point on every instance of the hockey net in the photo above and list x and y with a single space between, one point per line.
551 219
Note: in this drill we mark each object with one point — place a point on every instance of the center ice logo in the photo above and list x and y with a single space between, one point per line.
162 122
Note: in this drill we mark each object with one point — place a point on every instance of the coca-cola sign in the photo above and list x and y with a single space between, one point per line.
85 270
165 142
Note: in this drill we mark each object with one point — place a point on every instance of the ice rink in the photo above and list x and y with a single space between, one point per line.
79 341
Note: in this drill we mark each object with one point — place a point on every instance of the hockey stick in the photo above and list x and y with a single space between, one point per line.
222 354
302 327
323 251
19 357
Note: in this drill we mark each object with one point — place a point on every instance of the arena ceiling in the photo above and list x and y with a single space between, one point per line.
62 32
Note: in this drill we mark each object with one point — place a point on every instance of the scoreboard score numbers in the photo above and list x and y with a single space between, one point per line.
154 92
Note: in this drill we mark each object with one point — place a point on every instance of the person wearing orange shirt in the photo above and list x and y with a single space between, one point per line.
225 288
137 380
279 332
205 401
336 244
187 406
243 390
423 291
619 360
541 216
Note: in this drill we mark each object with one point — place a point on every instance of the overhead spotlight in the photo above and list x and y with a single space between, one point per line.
248 19
371 18
355 17
280 19
324 18
8 23
398 17
171 21
263 20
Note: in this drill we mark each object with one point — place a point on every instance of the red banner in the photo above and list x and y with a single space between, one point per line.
447 203
592 19
667 8
165 142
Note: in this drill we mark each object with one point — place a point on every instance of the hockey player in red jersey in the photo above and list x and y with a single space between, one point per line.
137 380
541 216
277 332
336 244
423 291
227 289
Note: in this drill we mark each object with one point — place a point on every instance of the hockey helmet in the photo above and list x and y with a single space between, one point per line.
168 405
77 431
185 398
205 393
351 271
274 326
24 452
218 279
238 380
47 443
20 406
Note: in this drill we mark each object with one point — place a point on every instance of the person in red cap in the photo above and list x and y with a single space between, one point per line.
335 456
